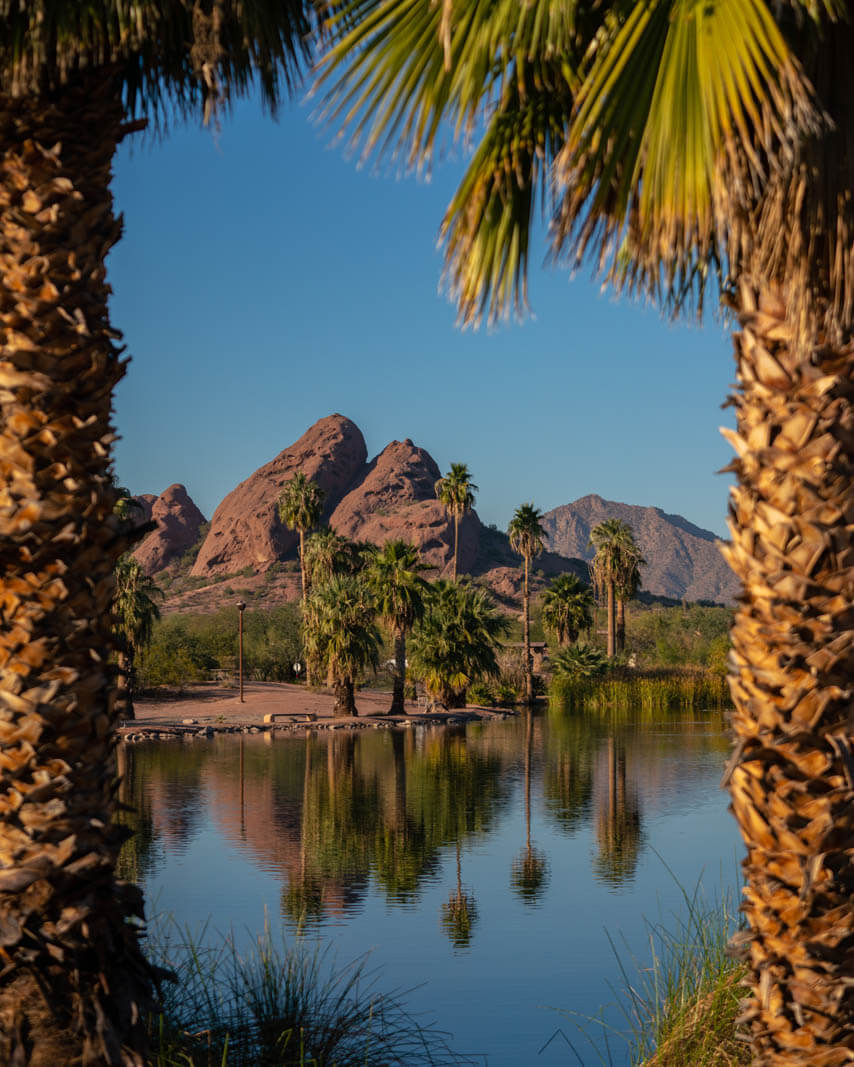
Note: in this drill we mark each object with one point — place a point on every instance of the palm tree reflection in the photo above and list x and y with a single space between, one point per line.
529 872
618 821
459 914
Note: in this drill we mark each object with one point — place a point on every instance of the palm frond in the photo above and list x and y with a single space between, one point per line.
685 109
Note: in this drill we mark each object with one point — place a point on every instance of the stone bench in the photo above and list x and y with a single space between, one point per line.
301 716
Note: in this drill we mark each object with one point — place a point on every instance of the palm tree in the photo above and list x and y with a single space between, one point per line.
627 584
607 568
527 536
689 149
322 556
135 611
77 79
341 635
399 592
616 569
300 506
457 641
455 492
568 608
529 871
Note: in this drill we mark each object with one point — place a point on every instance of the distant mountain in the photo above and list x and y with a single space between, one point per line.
683 560
393 496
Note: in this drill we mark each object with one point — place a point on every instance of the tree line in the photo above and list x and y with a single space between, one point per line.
446 633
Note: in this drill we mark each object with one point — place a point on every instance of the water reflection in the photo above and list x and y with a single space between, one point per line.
618 817
530 868
333 814
491 857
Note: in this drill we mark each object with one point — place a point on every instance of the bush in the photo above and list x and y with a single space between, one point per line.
480 693
185 648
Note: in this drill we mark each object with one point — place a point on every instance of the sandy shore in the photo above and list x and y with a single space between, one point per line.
211 708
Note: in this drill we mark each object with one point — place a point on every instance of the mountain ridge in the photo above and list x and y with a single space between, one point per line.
393 495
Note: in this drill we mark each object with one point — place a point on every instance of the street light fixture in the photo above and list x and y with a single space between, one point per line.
241 607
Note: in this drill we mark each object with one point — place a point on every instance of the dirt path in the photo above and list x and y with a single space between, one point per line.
212 708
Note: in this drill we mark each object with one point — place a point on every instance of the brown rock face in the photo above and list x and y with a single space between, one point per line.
396 499
178 523
245 529
684 561
146 501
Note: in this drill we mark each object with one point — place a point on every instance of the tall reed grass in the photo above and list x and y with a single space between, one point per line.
277 1005
645 693
679 1007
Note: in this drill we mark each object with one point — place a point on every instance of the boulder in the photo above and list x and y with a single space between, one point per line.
245 528
396 499
178 524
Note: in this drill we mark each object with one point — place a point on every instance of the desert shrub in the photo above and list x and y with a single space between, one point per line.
185 648
480 693
676 636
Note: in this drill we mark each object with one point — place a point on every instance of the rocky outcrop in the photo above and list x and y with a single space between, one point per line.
396 499
245 528
683 560
178 524
146 502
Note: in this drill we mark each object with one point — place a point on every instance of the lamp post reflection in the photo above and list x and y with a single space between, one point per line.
241 607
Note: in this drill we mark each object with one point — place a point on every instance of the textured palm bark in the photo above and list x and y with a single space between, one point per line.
398 706
792 774
345 697
611 621
529 666
456 541
620 627
75 988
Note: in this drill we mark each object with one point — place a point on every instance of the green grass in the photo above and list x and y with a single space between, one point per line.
277 1005
643 693
679 1006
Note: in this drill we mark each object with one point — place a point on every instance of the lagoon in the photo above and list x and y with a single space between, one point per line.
491 868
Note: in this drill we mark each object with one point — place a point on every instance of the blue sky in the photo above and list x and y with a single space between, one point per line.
264 281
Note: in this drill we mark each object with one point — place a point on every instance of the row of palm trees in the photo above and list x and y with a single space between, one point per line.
338 620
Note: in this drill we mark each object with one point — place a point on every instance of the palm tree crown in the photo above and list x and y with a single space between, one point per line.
191 56
457 640
526 532
399 593
300 506
568 608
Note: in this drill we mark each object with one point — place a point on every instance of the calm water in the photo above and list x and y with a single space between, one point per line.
487 865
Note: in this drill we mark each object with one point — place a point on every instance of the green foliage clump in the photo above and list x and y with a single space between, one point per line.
642 692
578 662
186 648
457 641
694 634
291 1008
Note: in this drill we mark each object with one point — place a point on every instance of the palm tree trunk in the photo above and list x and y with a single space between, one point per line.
611 621
345 697
791 668
75 986
620 628
124 683
397 700
529 666
456 541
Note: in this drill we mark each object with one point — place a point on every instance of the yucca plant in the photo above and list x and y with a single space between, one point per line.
686 148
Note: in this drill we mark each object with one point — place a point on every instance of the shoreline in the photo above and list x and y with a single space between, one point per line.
209 708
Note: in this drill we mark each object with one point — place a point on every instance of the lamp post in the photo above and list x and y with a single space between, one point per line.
241 607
